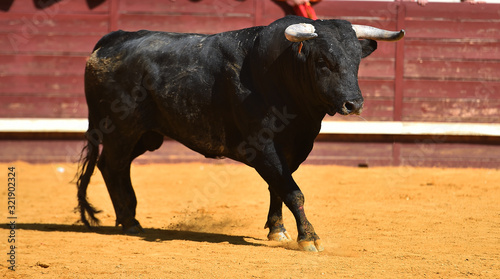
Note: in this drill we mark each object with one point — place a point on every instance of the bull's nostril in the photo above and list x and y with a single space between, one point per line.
349 106
352 107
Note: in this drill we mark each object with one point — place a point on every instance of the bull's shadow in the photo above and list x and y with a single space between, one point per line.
153 235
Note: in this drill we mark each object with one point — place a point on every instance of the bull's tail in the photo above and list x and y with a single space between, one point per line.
88 161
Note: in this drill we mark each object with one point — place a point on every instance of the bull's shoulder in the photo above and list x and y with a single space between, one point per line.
117 39
112 38
158 41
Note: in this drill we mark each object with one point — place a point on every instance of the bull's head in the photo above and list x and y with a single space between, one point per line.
336 53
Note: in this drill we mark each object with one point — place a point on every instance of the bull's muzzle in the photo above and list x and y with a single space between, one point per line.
352 107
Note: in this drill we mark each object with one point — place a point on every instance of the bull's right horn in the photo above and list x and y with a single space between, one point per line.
368 32
300 32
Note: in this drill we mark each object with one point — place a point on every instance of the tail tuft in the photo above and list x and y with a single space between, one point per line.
88 161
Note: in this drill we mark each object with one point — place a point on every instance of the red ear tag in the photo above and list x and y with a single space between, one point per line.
300 47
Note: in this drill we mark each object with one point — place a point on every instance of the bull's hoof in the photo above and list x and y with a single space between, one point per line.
282 236
311 246
135 229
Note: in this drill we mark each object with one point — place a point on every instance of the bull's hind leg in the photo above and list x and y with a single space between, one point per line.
277 231
115 169
114 165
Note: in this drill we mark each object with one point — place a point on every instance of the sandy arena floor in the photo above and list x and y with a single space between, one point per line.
207 221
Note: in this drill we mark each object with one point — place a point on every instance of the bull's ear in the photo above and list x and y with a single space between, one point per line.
367 47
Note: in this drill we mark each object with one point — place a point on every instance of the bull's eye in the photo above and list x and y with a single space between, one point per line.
321 63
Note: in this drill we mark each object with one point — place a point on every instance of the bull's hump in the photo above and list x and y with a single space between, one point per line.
103 64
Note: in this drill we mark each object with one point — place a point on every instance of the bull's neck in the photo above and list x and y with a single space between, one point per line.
307 105
298 92
282 79
295 100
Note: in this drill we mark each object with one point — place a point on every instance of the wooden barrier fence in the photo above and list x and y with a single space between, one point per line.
447 69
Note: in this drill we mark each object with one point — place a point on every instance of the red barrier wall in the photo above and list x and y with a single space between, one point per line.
447 69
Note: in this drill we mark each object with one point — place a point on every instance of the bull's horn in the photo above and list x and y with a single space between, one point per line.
300 32
368 32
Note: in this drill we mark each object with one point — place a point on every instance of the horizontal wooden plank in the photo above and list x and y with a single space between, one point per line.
210 7
451 89
40 151
376 68
45 44
487 163
26 24
377 14
452 49
51 7
382 10
452 29
430 162
378 109
445 150
488 70
183 23
374 88
451 110
18 65
385 50
432 153
337 9
42 85
456 11
272 10
362 153
42 106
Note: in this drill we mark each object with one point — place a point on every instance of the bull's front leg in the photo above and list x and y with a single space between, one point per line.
277 231
307 238
282 185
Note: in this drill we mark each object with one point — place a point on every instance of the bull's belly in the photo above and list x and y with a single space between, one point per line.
208 139
196 118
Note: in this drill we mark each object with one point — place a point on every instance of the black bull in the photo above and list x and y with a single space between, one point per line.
256 95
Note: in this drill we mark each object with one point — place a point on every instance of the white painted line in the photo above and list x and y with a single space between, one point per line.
410 128
41 125
80 125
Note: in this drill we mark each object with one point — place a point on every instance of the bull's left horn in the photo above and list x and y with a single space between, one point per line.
300 32
368 32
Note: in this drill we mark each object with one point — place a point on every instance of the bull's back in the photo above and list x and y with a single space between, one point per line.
158 64
174 82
